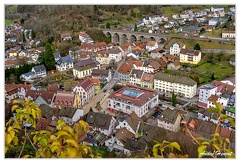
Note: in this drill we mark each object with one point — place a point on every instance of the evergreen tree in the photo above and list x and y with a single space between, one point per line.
48 58
135 28
213 77
174 99
197 46
33 34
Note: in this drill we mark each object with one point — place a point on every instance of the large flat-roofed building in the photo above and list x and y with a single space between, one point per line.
181 85
131 99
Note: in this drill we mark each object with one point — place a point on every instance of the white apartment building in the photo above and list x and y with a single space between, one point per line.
133 99
204 93
182 86
228 34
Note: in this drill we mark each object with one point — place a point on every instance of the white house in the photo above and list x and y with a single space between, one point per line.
101 122
40 70
135 77
23 88
228 34
64 63
170 120
129 123
151 45
84 68
29 76
118 141
70 115
115 54
176 47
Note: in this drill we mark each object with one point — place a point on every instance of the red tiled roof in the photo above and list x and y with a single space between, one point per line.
86 84
25 86
42 123
46 95
11 87
213 98
125 68
148 77
64 98
53 88
96 81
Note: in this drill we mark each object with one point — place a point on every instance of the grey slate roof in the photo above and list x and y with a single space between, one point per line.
99 120
138 73
67 112
169 116
67 59
45 109
29 74
175 79
39 68
85 62
57 55
133 145
100 72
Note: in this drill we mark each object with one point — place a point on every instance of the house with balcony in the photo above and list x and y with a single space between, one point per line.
190 56
131 99
96 83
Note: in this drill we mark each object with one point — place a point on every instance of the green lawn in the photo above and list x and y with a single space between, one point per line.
220 69
215 33
12 9
203 44
8 22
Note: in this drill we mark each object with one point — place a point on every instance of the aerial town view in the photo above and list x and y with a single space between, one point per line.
119 81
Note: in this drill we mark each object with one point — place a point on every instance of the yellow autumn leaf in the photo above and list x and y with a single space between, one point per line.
73 142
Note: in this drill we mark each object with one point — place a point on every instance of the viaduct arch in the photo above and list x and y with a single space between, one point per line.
121 37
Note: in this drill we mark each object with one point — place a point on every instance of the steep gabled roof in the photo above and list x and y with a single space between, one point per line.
86 84
39 68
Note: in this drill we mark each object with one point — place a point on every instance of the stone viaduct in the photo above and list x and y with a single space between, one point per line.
121 37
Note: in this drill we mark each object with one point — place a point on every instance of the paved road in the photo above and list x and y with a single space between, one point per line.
102 96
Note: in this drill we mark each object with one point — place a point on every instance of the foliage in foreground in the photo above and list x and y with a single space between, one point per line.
66 141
